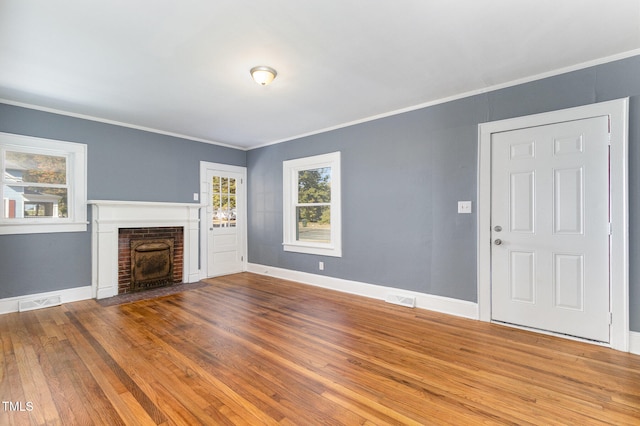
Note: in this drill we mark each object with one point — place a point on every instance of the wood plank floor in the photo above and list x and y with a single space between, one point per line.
251 350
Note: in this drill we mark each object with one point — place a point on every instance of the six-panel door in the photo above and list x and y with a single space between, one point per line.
550 228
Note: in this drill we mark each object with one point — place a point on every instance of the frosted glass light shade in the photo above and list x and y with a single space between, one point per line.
263 75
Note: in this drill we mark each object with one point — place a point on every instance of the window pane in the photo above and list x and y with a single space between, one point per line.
33 201
217 218
215 185
224 202
35 168
224 211
314 224
230 218
216 204
231 211
314 185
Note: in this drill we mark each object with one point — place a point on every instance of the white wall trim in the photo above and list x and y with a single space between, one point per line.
445 305
115 123
76 294
478 91
634 342
109 216
617 110
290 172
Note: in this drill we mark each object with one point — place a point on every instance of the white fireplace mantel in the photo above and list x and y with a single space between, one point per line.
107 217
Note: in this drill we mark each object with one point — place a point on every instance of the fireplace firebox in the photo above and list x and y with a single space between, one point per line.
149 258
151 263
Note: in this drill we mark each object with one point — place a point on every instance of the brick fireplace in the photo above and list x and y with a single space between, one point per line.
165 237
149 257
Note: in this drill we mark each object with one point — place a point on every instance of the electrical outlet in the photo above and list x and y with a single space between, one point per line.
321 266
196 196
464 206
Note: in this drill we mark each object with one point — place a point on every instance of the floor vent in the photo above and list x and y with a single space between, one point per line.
398 299
30 305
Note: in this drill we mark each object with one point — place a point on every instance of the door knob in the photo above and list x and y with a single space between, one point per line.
498 241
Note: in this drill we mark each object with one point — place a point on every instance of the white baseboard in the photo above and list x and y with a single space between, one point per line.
444 305
634 342
106 292
11 304
193 277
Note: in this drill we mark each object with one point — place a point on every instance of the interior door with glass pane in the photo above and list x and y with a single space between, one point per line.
224 242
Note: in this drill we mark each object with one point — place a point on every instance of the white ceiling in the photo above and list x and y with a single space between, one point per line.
182 67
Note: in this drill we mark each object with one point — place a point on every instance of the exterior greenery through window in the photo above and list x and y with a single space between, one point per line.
313 209
43 185
223 200
312 205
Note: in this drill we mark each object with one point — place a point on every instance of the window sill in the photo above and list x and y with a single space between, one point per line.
321 250
42 228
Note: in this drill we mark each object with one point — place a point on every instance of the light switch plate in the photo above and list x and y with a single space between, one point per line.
464 206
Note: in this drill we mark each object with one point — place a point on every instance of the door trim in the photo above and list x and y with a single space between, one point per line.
618 111
206 166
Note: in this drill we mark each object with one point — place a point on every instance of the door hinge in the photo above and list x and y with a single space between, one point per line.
610 318
241 258
610 228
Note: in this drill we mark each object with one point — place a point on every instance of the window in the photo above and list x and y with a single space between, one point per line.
312 220
43 186
223 200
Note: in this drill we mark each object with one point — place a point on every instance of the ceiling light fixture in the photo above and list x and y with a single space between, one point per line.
263 75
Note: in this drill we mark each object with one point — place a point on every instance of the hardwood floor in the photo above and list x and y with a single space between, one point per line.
249 349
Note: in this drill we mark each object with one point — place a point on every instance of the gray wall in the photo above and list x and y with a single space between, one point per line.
123 164
403 175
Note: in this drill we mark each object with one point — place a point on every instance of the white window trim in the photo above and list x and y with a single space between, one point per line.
290 169
76 154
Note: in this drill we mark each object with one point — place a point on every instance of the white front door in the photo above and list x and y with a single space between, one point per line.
225 222
550 228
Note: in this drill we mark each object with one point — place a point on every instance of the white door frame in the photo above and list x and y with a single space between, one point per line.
618 111
205 200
